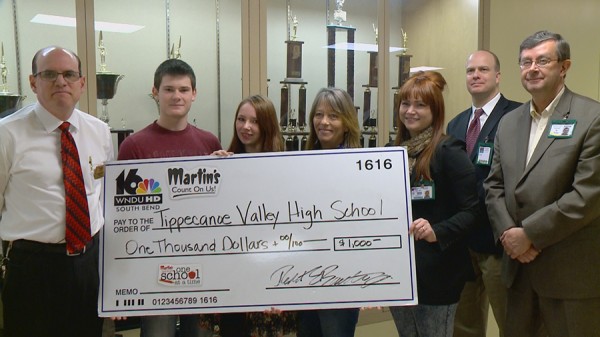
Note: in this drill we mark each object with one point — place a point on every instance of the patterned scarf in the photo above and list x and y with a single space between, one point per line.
415 146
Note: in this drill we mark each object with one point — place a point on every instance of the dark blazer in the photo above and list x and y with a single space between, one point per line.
444 266
555 198
481 239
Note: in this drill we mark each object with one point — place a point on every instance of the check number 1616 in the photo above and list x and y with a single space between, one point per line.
377 164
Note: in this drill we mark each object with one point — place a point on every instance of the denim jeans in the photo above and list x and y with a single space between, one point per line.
327 323
166 326
424 320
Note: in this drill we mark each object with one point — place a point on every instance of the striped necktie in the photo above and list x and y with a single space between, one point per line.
77 233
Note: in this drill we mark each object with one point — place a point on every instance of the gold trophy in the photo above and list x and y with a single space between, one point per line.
403 75
176 53
404 41
404 59
376 31
106 81
292 121
8 100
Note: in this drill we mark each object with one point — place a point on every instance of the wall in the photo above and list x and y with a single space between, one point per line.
511 21
443 33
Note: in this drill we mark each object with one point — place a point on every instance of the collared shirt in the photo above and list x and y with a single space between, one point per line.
32 193
539 122
487 109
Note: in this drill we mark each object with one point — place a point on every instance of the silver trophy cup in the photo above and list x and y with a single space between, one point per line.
106 87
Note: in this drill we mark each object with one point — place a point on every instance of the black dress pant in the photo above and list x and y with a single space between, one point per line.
49 294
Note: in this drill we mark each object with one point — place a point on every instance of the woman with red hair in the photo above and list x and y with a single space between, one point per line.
444 206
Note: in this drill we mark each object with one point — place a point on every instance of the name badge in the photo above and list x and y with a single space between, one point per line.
425 190
484 154
562 128
99 172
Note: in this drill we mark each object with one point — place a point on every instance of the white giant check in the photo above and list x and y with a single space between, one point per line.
310 229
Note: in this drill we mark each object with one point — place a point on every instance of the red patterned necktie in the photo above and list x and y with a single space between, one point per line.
77 233
473 131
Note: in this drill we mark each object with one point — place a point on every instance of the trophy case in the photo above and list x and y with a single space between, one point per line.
16 51
9 101
165 32
216 55
339 49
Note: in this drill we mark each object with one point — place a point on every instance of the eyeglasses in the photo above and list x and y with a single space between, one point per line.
540 63
51 75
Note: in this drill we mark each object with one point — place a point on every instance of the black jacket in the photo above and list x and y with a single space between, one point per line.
443 267
481 239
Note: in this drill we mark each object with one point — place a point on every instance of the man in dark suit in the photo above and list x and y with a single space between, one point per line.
543 197
483 83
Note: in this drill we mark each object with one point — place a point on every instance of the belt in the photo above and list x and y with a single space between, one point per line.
49 248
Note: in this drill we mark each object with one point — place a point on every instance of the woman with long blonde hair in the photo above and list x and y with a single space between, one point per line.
333 125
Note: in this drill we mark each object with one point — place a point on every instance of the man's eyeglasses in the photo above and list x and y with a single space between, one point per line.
51 75
540 63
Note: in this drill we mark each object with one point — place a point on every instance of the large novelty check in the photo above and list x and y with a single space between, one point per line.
311 229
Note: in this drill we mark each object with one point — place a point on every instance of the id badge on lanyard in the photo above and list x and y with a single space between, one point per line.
484 154
423 190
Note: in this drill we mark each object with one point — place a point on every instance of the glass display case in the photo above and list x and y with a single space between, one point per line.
336 43
205 34
20 18
339 49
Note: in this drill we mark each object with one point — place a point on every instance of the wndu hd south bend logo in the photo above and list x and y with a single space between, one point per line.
202 181
135 190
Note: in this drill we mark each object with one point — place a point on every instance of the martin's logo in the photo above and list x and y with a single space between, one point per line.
135 190
201 181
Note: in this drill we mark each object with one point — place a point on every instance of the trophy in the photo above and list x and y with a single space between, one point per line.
294 52
176 53
294 61
404 59
369 120
106 81
8 100
376 31
404 41
373 79
339 15
403 75
294 28
339 18
292 121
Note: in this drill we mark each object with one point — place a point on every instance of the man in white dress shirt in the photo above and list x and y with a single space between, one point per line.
48 292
